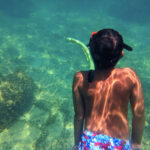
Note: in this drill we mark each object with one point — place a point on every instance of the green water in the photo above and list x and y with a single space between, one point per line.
33 38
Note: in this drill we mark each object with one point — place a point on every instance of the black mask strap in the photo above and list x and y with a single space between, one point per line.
90 75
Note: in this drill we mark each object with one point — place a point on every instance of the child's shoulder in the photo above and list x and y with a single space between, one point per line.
81 75
125 70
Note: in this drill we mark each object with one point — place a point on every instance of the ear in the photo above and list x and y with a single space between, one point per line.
122 53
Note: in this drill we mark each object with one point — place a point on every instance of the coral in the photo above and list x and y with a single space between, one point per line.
16 94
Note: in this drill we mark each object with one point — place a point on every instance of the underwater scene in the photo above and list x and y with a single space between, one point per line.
37 64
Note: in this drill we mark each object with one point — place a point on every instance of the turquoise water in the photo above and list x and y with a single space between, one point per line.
33 38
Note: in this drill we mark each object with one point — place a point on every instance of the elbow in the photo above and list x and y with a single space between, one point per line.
140 117
139 112
79 117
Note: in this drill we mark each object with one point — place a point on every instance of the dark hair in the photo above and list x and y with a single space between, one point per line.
105 47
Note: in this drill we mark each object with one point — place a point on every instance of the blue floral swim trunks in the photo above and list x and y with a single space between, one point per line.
94 141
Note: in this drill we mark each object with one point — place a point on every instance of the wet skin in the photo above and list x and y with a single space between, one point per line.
102 106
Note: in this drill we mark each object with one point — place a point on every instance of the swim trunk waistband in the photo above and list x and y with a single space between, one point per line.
95 141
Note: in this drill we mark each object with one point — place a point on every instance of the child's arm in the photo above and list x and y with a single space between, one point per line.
78 107
137 105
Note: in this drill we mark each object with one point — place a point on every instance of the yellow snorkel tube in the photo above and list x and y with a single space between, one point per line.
85 50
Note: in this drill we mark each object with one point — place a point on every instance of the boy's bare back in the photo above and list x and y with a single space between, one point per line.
104 102
101 99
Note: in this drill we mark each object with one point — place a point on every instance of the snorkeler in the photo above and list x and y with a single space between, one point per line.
101 98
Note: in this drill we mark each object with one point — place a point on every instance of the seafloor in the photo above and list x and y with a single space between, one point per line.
36 43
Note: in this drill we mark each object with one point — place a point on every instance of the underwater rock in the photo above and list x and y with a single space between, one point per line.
16 8
16 95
